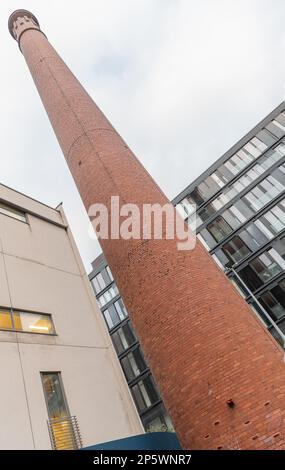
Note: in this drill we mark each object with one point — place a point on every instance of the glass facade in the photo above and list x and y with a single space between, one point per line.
134 365
240 218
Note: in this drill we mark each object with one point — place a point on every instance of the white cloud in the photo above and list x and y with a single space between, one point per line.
181 80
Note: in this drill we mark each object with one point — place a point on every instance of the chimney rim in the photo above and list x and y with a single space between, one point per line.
17 14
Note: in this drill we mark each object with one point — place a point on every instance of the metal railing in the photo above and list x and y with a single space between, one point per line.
64 433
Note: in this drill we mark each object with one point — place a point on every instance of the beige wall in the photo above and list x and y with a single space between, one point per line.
41 271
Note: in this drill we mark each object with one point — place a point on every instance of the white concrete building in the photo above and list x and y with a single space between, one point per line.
56 357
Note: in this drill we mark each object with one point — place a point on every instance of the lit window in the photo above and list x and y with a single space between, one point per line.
133 364
11 212
33 323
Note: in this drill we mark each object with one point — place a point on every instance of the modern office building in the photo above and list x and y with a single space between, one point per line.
137 372
61 384
240 217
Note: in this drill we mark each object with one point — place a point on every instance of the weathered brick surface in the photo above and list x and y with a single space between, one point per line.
201 339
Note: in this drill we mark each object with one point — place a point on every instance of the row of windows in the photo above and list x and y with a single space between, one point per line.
236 215
232 167
265 266
102 280
25 321
236 188
254 236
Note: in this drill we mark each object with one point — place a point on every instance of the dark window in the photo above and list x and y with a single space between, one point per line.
102 280
266 266
250 278
272 306
115 313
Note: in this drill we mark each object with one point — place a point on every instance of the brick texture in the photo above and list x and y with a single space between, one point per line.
204 344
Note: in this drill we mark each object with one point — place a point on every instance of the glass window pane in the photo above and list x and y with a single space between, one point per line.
123 338
236 249
16 214
33 323
121 309
144 393
219 228
133 364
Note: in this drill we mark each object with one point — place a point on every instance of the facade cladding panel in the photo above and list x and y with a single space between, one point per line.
136 370
240 217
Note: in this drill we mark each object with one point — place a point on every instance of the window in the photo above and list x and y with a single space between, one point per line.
145 394
275 309
11 212
6 320
250 278
63 430
115 313
265 266
236 249
264 192
274 300
238 186
157 420
26 321
54 395
102 280
133 364
219 228
123 338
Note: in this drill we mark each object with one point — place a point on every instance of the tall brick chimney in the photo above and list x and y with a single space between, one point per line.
220 373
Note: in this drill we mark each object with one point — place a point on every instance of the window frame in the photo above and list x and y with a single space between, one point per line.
17 311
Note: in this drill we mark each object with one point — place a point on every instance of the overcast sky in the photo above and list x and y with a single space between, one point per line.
181 80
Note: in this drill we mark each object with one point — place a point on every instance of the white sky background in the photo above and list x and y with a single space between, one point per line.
181 80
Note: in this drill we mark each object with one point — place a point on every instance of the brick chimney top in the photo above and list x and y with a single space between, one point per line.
21 21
